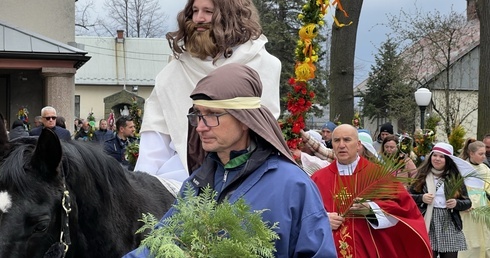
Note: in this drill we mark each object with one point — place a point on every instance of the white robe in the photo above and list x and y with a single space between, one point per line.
163 145
476 233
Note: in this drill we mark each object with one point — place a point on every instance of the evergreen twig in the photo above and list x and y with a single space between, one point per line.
202 227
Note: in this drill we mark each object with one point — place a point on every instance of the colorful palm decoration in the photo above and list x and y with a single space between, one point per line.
301 97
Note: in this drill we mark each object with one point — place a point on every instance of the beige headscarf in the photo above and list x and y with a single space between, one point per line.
239 87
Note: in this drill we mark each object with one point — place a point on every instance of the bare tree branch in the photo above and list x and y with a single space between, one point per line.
139 18
433 43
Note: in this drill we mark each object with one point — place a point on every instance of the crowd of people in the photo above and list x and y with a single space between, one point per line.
113 142
445 188
233 145
206 123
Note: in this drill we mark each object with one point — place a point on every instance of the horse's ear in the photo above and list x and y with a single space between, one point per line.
47 155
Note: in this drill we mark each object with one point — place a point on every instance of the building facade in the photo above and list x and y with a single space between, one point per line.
122 66
38 60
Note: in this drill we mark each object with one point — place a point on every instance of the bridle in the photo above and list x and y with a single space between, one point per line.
59 249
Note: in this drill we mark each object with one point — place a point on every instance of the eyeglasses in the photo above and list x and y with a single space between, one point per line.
49 117
209 120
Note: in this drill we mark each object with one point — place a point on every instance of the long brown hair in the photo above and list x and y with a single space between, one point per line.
234 22
450 169
393 156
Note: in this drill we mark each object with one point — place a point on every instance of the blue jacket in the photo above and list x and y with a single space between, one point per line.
117 149
290 196
103 135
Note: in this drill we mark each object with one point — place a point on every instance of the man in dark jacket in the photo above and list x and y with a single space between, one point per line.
486 141
103 134
86 132
385 130
116 146
327 130
49 116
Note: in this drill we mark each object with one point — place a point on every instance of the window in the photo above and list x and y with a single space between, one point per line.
77 106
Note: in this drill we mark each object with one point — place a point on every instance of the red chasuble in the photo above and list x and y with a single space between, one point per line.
356 238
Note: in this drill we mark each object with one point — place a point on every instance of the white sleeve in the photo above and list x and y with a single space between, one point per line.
158 157
384 221
311 164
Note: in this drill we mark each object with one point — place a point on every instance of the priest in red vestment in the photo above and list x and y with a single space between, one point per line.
387 227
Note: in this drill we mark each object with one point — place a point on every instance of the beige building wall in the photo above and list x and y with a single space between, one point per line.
55 20
92 98
464 101
118 62
51 18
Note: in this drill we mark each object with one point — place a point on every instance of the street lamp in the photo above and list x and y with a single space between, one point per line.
422 97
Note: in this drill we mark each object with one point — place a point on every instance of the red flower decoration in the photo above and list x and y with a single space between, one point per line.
301 96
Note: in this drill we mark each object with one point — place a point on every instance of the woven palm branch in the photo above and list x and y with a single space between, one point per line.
374 182
454 183
478 214
481 215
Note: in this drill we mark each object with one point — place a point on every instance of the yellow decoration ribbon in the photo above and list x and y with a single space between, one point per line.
234 103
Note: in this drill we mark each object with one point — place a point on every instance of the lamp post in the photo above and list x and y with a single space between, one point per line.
422 97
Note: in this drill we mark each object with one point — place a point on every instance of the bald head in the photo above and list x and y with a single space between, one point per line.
345 143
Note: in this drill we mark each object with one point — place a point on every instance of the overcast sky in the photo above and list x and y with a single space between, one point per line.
369 35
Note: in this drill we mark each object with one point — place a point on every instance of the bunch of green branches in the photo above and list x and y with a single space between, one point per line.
454 183
457 138
201 227
478 214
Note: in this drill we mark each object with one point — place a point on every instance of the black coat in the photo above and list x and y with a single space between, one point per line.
62 133
462 203
17 132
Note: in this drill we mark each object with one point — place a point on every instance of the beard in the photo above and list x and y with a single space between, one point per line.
200 44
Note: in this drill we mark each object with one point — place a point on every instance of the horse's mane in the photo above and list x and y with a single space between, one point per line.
88 170
106 200
12 167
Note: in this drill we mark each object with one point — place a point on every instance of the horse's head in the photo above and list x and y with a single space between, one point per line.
31 190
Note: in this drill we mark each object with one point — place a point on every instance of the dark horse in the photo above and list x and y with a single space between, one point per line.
42 178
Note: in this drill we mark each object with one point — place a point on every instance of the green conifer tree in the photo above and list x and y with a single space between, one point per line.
388 95
137 114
